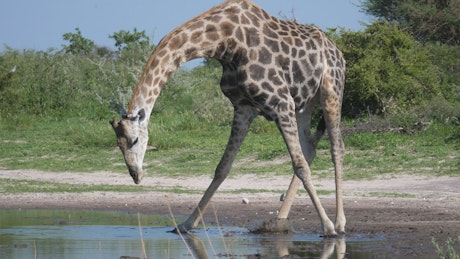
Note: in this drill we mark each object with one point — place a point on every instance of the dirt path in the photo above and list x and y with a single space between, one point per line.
409 210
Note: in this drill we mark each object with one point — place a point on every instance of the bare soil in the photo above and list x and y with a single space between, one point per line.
408 210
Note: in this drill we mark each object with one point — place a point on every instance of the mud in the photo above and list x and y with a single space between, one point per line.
408 210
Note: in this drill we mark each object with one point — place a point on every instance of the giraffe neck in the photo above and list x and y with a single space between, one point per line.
206 36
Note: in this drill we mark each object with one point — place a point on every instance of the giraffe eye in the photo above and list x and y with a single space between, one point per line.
135 141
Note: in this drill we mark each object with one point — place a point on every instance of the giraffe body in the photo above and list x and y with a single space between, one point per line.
278 69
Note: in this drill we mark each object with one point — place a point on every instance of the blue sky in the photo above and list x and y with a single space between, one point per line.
40 24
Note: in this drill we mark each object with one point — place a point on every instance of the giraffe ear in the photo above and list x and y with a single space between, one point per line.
139 117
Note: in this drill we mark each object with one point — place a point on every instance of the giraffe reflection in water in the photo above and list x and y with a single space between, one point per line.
281 246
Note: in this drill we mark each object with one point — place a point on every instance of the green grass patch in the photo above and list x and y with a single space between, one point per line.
79 144
11 186
74 144
17 218
369 155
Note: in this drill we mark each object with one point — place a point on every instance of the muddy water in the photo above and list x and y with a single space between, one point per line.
89 234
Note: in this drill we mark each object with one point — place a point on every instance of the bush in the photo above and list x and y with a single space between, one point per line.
386 71
196 92
57 83
446 58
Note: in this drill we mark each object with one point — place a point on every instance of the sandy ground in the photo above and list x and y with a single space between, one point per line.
409 210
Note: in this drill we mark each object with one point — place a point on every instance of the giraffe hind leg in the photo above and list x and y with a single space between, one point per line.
331 104
338 153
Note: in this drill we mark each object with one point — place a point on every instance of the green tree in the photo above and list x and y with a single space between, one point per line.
386 70
133 47
77 43
128 40
428 20
104 52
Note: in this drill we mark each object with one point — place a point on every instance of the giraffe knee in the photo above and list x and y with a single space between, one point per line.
301 173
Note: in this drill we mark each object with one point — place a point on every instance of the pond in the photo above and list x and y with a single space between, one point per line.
99 234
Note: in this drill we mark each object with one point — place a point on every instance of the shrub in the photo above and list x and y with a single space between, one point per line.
58 83
198 93
386 71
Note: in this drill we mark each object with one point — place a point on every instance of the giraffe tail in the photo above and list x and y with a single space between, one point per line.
320 129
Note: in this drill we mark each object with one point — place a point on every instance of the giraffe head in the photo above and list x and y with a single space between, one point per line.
132 138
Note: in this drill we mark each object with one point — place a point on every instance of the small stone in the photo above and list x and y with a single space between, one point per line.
270 226
245 201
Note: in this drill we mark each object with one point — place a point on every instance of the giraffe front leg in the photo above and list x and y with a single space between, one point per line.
308 144
304 174
197 214
242 119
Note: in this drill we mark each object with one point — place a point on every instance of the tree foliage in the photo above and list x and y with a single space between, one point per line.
126 39
77 43
132 46
429 20
386 70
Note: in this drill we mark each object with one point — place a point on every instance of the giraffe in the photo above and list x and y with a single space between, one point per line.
274 68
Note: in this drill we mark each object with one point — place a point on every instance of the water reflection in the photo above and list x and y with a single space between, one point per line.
71 235
282 246
118 241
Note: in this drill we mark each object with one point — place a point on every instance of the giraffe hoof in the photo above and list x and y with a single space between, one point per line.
330 234
275 225
340 232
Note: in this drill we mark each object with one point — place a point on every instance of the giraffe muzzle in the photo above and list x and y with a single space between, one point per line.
137 175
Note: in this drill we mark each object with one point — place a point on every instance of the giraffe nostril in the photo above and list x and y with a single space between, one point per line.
136 173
